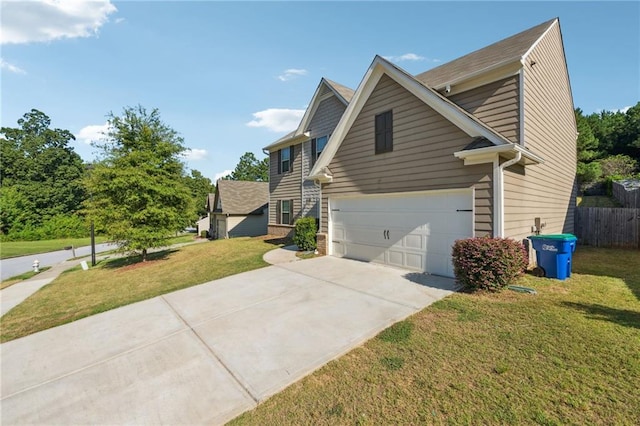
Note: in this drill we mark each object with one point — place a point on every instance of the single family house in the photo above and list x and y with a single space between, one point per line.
240 209
482 145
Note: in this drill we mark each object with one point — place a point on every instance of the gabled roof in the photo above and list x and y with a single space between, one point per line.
465 121
343 93
211 199
506 51
241 197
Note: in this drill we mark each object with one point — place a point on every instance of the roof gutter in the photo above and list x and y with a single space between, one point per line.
488 154
287 142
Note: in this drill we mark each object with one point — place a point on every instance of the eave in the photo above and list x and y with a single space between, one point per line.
488 154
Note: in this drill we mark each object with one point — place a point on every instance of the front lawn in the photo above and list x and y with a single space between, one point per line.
23 248
568 355
116 282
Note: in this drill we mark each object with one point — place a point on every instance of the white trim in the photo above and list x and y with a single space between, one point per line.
521 105
329 227
378 68
401 194
486 155
497 191
533 46
301 131
500 203
478 73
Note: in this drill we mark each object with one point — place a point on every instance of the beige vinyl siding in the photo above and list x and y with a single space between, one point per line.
495 104
247 226
547 190
422 157
285 186
323 122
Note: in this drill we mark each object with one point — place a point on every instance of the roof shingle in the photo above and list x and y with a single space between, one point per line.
242 197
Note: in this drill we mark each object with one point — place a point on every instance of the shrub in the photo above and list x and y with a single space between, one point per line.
305 235
488 263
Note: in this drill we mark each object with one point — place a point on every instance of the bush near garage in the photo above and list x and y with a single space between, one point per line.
305 235
487 263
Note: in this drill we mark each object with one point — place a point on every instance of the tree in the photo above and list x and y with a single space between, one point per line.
251 169
200 188
138 195
38 163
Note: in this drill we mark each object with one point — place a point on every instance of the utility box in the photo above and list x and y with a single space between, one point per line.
554 253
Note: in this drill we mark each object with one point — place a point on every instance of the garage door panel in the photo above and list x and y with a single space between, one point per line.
410 231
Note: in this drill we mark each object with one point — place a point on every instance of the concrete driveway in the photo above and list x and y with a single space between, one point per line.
205 354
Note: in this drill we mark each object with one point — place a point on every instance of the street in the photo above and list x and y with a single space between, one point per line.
19 265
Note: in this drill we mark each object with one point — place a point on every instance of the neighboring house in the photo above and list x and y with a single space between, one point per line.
239 209
292 157
205 223
482 145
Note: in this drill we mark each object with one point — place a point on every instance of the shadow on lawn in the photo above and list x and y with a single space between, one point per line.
605 313
609 262
132 260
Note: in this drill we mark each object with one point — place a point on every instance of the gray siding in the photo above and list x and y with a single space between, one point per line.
422 157
548 190
496 104
285 186
323 123
247 226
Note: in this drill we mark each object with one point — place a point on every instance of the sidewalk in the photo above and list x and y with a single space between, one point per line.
12 296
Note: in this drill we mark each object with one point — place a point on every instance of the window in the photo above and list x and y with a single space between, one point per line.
284 160
384 132
284 211
317 146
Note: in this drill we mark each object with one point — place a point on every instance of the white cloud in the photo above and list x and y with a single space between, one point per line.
623 109
195 154
94 132
409 57
292 73
10 67
277 119
222 174
46 20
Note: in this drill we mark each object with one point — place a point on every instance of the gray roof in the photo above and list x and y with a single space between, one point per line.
507 50
242 197
211 199
343 91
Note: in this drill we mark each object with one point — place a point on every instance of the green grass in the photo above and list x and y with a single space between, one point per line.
16 279
568 355
116 282
596 201
22 248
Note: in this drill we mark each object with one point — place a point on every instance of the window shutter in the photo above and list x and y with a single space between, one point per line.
388 139
313 151
279 161
380 121
290 212
278 208
291 158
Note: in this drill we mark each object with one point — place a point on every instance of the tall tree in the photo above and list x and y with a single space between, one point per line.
38 162
138 195
251 169
200 187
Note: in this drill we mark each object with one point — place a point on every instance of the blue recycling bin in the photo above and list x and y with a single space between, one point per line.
554 254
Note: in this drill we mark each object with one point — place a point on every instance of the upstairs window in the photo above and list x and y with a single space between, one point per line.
384 132
317 146
284 160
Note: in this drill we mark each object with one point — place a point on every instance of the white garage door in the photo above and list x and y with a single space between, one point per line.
412 231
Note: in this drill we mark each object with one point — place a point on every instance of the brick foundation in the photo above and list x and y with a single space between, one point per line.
321 238
282 231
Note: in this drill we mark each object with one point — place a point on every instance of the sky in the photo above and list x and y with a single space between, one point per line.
232 77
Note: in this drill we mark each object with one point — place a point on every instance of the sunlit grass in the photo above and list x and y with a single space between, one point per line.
568 355
121 281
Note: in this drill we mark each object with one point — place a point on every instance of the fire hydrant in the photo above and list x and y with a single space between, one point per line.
36 265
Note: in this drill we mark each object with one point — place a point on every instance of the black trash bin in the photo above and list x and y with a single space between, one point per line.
554 253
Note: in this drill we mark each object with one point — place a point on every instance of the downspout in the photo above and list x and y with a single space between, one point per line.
498 174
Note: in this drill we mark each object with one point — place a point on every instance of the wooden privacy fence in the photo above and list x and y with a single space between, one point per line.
627 197
608 227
